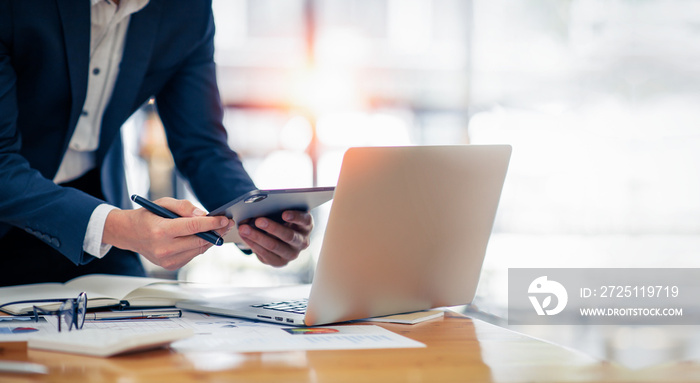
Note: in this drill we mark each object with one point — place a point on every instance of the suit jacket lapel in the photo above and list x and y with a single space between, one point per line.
138 49
75 17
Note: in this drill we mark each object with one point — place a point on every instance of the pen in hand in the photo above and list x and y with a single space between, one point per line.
210 236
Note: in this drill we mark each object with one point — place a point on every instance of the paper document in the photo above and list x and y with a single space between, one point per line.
19 329
278 338
221 333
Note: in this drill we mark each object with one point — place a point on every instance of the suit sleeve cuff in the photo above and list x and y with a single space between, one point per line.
92 244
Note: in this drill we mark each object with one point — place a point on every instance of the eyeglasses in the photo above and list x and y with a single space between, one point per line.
71 312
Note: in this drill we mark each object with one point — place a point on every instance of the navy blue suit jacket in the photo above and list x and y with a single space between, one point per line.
44 56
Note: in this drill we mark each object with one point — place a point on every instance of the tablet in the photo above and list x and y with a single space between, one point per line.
271 203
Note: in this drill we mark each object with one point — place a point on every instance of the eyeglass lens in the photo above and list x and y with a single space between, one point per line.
66 314
81 308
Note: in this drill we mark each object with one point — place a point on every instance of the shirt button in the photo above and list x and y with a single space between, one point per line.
84 113
96 71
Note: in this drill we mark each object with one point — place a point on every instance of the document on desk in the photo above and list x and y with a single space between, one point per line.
19 329
279 338
240 335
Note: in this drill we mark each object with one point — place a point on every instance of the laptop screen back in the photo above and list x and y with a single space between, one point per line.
407 231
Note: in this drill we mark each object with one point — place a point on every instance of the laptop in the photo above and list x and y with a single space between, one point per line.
407 231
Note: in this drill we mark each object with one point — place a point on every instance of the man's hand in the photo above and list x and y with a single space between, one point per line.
277 244
169 243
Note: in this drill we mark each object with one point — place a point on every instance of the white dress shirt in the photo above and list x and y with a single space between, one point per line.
109 25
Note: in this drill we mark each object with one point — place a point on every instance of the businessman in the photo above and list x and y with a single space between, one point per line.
71 73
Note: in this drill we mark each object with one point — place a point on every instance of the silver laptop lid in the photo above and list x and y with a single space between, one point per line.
407 230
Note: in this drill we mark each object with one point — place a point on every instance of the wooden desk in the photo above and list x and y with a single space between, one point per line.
458 349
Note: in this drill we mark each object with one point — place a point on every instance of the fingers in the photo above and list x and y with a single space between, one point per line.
302 219
181 207
277 244
294 237
194 220
171 243
177 252
268 249
230 226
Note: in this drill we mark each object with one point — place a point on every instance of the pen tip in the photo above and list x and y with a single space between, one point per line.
133 197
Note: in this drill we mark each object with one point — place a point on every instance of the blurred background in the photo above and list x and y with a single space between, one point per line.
599 100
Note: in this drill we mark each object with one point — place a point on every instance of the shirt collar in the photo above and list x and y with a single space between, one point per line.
133 5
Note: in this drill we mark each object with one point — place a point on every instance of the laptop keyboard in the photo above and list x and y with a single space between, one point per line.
293 306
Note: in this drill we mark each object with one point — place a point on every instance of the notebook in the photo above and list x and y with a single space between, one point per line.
407 231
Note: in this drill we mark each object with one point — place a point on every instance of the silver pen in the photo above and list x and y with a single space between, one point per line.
133 314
